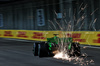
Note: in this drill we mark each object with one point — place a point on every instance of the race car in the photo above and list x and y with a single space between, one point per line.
56 44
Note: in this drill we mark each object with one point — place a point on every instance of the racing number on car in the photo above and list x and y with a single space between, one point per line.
38 35
8 33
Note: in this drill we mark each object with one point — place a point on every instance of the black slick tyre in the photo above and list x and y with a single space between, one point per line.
42 50
76 49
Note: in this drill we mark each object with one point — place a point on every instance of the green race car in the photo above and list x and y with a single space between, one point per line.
49 48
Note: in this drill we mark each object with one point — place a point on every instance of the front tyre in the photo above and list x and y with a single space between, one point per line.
76 48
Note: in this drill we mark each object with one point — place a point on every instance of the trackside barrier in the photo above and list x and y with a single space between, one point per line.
84 37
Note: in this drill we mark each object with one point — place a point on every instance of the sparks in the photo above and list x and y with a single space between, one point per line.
63 56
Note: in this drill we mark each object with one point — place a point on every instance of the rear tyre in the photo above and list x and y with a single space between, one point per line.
42 50
35 49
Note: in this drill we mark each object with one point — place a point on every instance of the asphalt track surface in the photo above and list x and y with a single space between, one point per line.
19 53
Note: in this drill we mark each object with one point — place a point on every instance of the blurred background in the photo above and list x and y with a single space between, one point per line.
35 14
